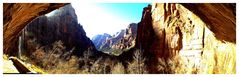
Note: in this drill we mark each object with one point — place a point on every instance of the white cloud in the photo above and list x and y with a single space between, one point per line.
96 20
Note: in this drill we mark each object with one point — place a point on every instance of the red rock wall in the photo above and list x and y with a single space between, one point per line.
201 34
17 16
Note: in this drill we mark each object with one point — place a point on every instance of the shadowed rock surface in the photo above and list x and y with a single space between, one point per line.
62 25
17 16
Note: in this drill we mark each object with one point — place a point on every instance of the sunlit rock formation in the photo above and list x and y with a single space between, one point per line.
122 40
98 40
203 35
128 39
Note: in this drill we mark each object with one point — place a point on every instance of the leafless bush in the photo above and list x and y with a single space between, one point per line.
51 61
137 66
66 67
38 55
174 65
98 67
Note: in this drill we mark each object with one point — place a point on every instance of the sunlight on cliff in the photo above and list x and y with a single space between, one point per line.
51 13
201 53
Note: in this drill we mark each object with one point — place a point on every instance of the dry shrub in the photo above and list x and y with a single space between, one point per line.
137 66
38 55
86 62
53 55
51 61
166 66
118 69
89 66
101 66
55 59
66 67
98 67
175 65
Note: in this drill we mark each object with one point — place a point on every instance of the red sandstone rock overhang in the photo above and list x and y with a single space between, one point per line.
219 17
17 15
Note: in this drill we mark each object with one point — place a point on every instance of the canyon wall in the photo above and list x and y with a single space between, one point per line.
98 40
17 16
121 41
126 38
202 35
63 26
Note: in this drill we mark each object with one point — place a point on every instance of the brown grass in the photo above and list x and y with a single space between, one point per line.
118 69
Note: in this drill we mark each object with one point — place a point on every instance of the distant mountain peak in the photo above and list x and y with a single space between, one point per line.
123 39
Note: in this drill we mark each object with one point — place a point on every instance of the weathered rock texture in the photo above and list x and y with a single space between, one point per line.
201 34
127 40
221 17
62 25
17 16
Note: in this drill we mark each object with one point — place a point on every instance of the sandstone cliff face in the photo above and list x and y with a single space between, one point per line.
128 39
98 40
108 43
17 16
201 34
62 25
145 39
123 40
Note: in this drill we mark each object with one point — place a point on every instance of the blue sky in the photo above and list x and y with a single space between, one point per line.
99 18
128 11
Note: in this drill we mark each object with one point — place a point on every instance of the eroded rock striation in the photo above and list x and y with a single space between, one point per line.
201 34
17 16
